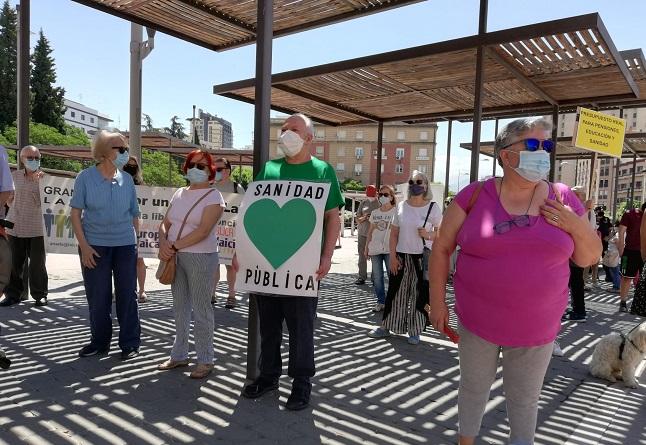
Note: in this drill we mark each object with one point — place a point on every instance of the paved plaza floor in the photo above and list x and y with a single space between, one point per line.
366 391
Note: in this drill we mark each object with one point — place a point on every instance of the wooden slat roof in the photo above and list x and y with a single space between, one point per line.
565 62
224 24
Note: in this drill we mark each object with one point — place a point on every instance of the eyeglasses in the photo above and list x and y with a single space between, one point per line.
418 182
532 144
196 165
505 226
122 150
384 194
32 158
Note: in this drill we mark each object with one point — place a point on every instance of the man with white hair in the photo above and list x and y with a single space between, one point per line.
26 237
298 312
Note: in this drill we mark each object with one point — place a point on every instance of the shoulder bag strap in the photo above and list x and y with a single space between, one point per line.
474 196
426 219
179 235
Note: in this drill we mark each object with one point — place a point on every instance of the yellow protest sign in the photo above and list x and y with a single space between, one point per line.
599 132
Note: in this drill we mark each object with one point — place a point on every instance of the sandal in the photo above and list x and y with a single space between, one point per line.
201 371
142 297
172 364
231 302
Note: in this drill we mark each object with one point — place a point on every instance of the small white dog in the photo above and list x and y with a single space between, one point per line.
617 356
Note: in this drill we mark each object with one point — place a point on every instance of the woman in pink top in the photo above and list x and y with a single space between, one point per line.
188 231
516 235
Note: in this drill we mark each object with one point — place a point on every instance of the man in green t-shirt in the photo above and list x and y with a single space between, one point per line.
299 312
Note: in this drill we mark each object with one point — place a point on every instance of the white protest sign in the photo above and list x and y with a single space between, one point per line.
280 229
226 228
55 196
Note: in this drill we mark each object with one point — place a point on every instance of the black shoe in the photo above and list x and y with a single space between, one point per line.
259 387
129 353
4 361
6 301
299 398
575 316
623 307
360 281
41 302
90 350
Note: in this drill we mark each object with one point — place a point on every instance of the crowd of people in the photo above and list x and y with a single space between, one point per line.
525 245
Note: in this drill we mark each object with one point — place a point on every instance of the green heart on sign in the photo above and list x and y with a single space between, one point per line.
278 233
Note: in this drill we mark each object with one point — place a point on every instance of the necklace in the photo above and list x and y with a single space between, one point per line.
530 201
518 221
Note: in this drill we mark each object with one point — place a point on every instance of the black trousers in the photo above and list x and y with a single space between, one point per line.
33 251
299 314
577 289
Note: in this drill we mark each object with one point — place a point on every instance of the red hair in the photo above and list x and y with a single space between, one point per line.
207 157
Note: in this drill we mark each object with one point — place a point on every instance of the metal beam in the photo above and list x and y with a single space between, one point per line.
478 93
495 160
520 76
23 75
448 161
215 12
380 143
555 124
621 63
632 182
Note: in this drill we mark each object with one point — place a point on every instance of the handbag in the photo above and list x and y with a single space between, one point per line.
166 269
426 254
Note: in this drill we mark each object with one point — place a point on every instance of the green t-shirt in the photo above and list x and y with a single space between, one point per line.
313 170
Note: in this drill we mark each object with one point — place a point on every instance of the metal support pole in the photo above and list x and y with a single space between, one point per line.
433 156
477 105
138 52
380 143
555 124
593 163
23 75
265 18
615 189
495 159
170 169
632 182
448 160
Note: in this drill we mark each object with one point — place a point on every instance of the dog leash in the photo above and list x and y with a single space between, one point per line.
624 337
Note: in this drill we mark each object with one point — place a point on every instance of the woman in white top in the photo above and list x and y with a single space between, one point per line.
196 250
413 227
377 245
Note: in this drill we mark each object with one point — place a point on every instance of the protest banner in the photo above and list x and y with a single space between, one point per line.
279 237
599 132
56 194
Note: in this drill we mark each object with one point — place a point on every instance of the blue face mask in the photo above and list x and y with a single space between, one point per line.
196 176
218 176
32 165
121 160
533 165
417 189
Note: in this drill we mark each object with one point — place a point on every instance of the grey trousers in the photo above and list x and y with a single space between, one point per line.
192 291
523 370
363 261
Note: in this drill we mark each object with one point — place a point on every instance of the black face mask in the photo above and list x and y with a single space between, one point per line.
131 169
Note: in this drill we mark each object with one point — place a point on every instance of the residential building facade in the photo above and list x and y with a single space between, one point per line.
214 132
352 151
83 117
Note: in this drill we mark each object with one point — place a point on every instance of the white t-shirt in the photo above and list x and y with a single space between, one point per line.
381 233
409 219
181 203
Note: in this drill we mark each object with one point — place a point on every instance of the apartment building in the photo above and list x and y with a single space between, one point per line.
352 151
214 132
83 117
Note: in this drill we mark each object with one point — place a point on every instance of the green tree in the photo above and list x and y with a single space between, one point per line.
8 65
47 100
243 177
155 168
148 123
176 128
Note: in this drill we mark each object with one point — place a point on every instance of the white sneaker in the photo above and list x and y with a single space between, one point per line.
557 351
378 307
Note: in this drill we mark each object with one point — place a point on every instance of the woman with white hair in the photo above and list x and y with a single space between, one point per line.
516 236
412 230
105 218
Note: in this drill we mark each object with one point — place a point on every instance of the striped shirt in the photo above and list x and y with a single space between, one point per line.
25 210
109 207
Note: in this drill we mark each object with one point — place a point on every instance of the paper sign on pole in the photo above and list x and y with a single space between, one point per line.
279 234
599 132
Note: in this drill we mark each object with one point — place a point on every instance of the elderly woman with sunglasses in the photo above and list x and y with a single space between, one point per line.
516 234
105 219
412 229
188 231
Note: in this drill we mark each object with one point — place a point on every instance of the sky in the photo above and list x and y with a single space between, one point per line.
91 50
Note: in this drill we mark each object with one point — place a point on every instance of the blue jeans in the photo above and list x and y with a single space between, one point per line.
616 276
120 263
378 262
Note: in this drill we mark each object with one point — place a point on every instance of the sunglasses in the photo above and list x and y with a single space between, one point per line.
384 195
532 144
219 169
195 165
32 158
122 150
505 226
418 182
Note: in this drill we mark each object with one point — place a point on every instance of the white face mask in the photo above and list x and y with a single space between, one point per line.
533 165
290 143
384 200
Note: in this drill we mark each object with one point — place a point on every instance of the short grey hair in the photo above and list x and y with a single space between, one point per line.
27 148
308 122
419 174
512 131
